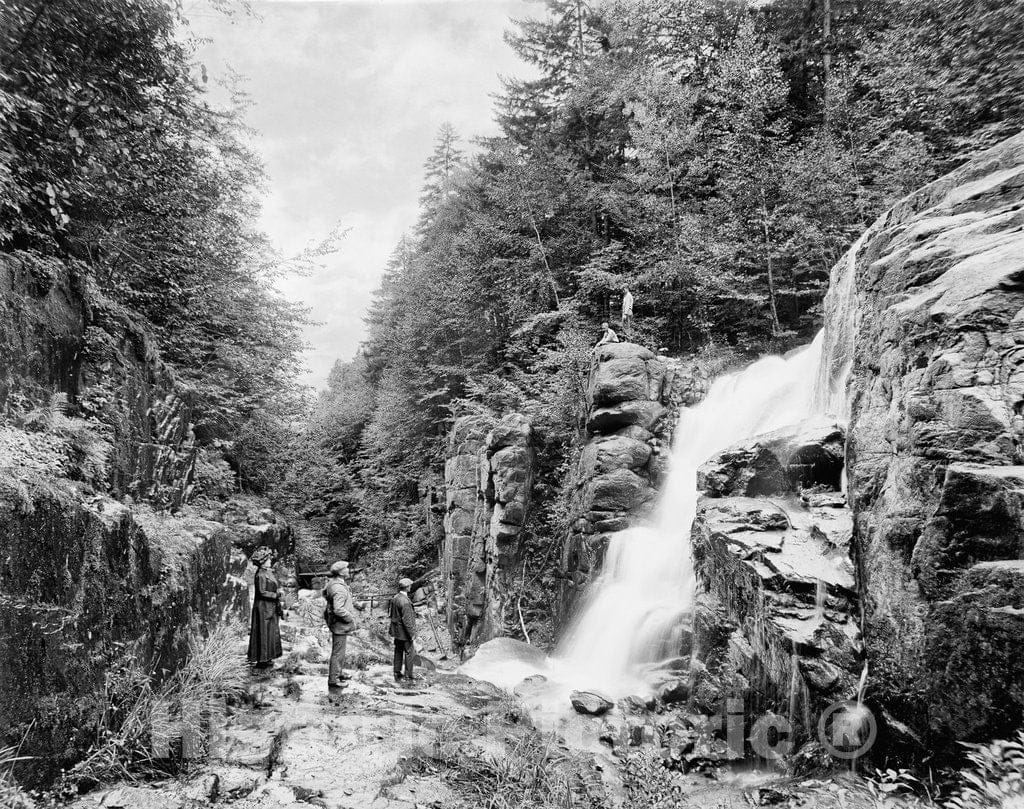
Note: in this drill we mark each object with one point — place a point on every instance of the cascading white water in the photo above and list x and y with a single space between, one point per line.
633 613
841 320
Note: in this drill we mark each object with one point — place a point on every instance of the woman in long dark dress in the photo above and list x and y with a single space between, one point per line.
264 633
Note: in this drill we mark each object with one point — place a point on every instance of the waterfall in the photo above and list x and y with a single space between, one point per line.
841 320
633 613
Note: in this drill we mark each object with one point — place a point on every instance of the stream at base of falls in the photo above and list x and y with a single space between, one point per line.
634 613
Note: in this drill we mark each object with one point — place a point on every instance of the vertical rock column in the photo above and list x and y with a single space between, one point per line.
488 479
463 562
510 463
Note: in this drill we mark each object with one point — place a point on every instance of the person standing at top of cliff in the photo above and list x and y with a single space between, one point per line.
607 336
403 630
264 631
627 312
341 619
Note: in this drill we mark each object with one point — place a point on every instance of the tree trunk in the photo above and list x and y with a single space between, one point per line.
826 58
579 33
776 326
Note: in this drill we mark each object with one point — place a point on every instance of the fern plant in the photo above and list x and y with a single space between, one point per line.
996 780
144 729
88 449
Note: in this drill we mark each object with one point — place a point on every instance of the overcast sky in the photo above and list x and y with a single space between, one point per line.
347 97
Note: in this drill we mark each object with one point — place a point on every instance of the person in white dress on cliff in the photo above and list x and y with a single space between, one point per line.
627 313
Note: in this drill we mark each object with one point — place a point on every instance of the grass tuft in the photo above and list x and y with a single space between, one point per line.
11 795
147 732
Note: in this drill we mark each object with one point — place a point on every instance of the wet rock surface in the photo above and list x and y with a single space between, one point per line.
591 703
788 460
777 621
374 744
927 309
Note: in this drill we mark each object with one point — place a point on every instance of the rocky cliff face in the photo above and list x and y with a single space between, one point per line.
927 310
58 337
634 397
488 481
95 441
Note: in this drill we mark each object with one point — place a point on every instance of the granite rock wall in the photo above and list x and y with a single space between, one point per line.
928 312
776 621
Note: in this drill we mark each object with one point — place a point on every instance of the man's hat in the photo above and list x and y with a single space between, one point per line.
405 584
338 568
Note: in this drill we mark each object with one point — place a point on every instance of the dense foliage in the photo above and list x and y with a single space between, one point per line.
114 166
714 156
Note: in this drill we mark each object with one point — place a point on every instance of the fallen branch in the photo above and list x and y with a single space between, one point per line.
522 623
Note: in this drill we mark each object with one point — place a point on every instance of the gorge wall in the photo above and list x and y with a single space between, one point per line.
928 313
918 571
95 572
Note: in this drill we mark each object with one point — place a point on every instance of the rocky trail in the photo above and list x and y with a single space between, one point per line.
447 740
375 744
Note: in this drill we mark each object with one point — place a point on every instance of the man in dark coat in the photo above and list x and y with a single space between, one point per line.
341 618
403 630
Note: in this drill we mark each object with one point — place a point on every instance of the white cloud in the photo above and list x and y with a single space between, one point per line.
347 99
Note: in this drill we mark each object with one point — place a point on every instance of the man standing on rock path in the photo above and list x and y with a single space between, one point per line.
341 619
403 630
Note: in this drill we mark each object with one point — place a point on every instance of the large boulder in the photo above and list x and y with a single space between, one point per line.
640 413
805 456
614 452
591 703
926 309
620 490
625 372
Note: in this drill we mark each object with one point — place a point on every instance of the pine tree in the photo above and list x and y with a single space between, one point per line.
440 172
